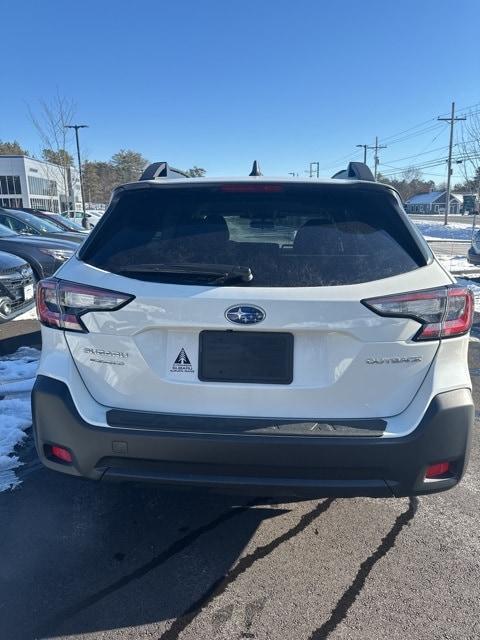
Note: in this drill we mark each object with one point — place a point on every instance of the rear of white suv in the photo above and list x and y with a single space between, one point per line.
280 337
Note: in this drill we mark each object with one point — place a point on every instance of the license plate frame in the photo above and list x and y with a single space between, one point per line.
246 357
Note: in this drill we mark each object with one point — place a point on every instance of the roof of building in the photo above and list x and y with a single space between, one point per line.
428 198
424 198
39 160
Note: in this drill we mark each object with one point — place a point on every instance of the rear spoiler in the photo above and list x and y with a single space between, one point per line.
161 170
355 171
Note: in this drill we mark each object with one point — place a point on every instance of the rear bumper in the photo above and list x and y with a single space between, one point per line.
286 465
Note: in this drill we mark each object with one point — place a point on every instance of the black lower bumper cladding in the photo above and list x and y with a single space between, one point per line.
276 457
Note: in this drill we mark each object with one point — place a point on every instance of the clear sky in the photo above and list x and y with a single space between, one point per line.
219 83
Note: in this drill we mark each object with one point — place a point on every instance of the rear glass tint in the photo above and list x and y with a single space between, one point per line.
288 235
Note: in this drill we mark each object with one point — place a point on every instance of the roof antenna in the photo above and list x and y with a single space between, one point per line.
255 170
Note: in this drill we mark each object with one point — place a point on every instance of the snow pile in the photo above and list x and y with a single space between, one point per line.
17 375
457 264
453 231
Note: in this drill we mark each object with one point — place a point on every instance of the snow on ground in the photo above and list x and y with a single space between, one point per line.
457 264
453 231
17 375
475 288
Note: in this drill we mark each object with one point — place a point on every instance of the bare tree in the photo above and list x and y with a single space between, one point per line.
469 145
409 183
50 123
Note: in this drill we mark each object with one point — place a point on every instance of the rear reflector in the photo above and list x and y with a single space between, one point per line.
436 470
60 304
443 313
61 453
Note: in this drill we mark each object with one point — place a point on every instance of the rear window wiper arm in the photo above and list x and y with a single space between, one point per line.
220 272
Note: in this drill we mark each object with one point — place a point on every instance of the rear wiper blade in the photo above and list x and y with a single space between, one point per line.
220 273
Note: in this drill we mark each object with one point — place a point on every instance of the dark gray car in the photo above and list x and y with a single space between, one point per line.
16 286
43 254
27 224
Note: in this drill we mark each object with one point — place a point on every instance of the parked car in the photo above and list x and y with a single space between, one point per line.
27 224
16 286
64 223
473 255
323 352
92 217
42 254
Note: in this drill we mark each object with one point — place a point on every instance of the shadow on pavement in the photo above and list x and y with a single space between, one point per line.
79 557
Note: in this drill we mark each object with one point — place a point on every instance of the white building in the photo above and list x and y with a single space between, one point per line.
27 182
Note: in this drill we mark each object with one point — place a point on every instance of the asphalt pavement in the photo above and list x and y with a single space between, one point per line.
115 561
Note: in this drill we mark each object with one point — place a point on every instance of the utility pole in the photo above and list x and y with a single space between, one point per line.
375 148
314 168
452 121
364 147
77 127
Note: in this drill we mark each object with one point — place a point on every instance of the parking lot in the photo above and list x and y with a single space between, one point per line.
86 560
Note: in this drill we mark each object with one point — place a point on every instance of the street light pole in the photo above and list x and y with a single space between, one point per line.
365 147
77 127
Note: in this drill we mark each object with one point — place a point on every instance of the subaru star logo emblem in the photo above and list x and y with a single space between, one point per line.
245 314
25 272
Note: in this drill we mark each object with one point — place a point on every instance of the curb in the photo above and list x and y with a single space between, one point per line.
19 333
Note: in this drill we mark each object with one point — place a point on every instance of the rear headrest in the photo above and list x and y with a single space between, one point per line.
313 233
217 224
213 225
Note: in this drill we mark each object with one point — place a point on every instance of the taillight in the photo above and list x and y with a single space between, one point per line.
443 313
61 304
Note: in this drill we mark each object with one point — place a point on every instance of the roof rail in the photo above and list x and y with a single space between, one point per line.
161 170
355 171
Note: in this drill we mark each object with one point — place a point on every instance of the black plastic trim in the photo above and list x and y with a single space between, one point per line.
262 464
187 423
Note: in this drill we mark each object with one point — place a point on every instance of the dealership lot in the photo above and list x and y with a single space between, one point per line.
82 560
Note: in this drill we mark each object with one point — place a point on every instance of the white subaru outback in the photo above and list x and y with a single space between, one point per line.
288 337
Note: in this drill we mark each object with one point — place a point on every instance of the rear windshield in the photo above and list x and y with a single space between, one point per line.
286 235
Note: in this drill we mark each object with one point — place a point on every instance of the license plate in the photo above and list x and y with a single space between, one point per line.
28 292
246 356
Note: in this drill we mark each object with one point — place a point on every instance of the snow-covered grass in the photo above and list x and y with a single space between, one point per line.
453 231
17 375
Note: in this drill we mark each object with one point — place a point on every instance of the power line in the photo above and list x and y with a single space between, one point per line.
414 131
415 134
423 153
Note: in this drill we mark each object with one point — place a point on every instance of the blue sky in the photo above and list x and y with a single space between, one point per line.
220 83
